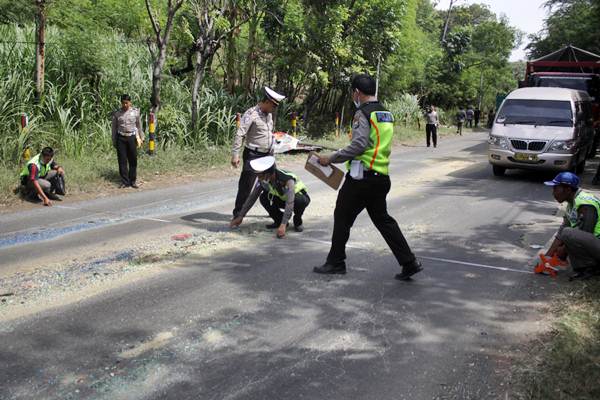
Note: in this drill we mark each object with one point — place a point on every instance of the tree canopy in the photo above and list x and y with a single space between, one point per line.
221 53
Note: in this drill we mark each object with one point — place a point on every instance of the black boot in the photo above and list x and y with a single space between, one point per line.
331 269
409 270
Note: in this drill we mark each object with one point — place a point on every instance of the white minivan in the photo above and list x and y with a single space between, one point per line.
542 128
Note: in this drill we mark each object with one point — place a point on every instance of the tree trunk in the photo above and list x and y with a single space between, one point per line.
199 70
156 79
40 48
249 68
162 43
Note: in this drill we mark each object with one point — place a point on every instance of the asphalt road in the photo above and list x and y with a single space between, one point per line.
251 321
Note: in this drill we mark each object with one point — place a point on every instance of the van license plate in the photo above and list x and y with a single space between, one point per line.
526 157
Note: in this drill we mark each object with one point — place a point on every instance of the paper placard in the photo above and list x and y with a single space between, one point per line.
329 174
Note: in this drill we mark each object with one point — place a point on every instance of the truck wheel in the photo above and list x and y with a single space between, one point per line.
580 167
498 171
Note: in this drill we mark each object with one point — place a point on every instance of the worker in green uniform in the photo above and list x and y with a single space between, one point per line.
42 178
277 189
579 235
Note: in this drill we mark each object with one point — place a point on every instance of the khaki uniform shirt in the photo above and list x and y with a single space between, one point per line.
257 127
126 123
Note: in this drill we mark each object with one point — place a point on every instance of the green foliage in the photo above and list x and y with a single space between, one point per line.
572 22
406 109
309 50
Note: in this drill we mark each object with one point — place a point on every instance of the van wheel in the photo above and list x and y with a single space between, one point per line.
498 171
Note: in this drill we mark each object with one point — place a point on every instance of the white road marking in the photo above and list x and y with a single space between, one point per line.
470 264
446 260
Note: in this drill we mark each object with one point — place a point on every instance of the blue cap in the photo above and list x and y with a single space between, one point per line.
564 178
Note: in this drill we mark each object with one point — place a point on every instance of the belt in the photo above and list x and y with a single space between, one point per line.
258 149
127 133
372 173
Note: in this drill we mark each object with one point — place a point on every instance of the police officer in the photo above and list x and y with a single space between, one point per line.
256 130
42 178
126 133
579 235
277 189
367 183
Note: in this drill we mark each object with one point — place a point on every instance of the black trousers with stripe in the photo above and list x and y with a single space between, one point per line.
127 154
355 196
247 178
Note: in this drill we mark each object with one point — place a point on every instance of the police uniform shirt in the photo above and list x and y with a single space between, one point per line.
126 123
257 127
361 140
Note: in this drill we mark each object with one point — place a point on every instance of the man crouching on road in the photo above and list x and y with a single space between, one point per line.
42 179
277 189
579 235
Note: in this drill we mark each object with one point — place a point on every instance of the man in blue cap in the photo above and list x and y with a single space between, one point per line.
579 235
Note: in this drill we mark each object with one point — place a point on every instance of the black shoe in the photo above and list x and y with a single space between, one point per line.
123 186
52 196
275 225
409 270
331 269
581 275
135 186
33 198
299 228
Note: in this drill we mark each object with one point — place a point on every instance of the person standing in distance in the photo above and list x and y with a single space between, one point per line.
256 130
126 129
367 182
431 119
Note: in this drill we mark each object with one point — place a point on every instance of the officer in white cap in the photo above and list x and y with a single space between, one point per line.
255 136
277 189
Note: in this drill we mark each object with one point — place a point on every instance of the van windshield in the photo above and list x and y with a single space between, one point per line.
536 112
568 82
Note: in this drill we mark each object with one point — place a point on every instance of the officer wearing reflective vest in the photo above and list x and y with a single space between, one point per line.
579 235
367 182
277 189
42 178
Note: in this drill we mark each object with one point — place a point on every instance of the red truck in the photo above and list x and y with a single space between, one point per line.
573 68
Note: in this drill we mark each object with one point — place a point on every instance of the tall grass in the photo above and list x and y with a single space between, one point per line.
85 74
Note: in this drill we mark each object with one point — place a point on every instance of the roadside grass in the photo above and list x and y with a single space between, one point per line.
565 363
97 172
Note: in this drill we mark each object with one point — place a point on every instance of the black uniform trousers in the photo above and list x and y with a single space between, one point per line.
431 133
127 154
356 195
301 201
247 178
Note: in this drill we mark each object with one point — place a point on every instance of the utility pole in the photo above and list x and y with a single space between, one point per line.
40 50
377 78
447 20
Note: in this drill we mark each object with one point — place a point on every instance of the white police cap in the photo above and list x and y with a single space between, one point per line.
262 164
273 95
